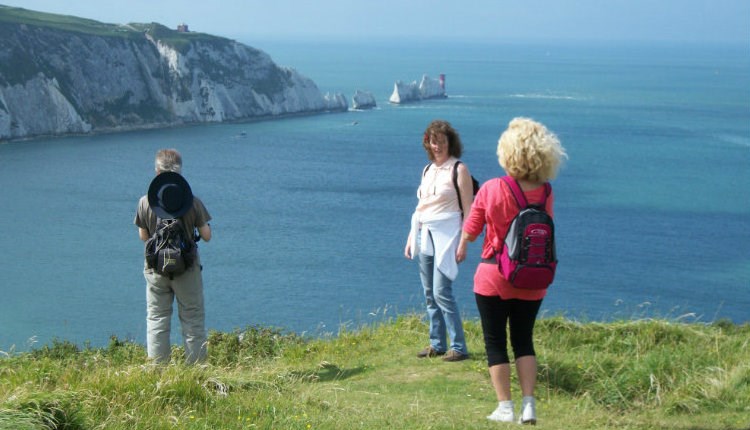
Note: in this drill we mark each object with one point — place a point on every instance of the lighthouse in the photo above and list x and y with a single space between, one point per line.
442 81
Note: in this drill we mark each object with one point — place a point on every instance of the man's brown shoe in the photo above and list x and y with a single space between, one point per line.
454 355
429 352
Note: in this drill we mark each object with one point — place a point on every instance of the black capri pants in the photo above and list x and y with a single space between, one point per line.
496 314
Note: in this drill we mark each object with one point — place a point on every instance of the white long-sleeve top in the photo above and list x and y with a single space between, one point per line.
445 231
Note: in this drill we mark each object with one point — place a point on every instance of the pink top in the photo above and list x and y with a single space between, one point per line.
495 207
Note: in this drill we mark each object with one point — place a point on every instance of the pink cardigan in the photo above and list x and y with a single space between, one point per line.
495 207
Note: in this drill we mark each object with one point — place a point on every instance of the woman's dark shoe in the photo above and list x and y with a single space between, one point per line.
454 355
429 352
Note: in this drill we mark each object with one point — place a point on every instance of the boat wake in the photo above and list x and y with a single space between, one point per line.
734 139
545 96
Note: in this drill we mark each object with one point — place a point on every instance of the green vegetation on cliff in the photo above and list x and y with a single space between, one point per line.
62 74
20 16
18 65
15 15
646 374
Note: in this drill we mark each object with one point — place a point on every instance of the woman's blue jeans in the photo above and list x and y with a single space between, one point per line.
442 310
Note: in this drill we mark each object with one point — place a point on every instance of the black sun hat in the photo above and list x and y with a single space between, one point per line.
169 195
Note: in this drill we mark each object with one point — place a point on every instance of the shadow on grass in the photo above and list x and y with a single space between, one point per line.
327 372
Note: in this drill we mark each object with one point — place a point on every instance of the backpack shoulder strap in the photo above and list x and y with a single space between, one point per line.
189 235
157 225
455 184
515 188
424 172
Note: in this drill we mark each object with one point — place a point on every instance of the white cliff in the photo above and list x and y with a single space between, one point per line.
55 82
53 113
335 100
363 100
426 89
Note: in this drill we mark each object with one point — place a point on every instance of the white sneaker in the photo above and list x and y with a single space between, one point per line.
528 411
503 413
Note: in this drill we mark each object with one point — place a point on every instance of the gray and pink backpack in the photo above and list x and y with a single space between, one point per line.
528 259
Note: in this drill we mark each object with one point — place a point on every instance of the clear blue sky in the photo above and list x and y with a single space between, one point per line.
546 20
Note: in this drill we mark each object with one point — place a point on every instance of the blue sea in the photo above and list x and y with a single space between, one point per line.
311 213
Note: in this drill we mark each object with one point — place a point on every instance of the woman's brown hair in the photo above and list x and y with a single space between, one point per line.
438 126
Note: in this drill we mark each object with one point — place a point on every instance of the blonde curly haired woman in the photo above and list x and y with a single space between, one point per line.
531 155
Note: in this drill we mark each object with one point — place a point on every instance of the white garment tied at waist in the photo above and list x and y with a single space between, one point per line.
445 231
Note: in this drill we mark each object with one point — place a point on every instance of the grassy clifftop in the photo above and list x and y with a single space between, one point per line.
647 374
16 15
178 40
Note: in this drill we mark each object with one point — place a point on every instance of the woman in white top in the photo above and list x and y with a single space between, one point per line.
445 196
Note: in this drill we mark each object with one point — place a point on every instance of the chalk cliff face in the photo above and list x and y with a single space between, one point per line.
363 100
427 88
58 78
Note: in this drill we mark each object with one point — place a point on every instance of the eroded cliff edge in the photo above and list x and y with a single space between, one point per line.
62 74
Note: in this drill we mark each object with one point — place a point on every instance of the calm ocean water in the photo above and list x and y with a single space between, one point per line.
311 213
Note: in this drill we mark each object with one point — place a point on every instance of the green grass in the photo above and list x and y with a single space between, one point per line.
180 41
645 374
14 15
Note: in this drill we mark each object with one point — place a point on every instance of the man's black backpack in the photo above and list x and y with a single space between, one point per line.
170 251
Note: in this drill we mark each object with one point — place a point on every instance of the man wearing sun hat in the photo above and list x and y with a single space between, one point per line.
169 197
